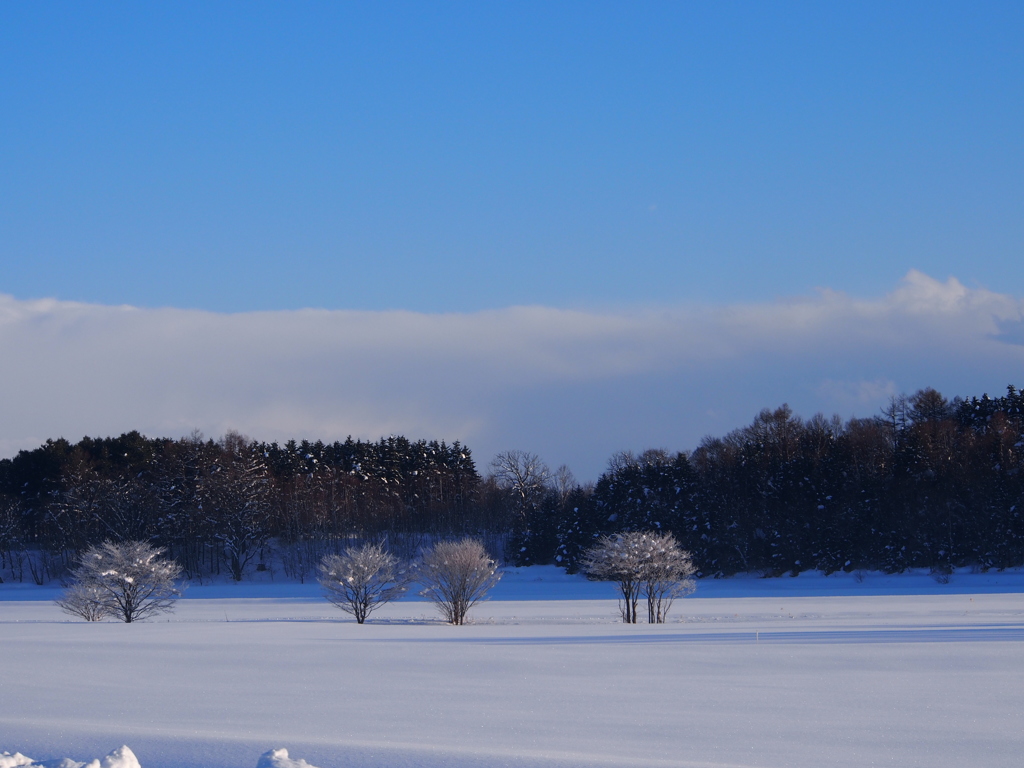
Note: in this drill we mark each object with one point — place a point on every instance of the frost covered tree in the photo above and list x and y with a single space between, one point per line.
614 558
86 601
666 573
130 580
456 575
642 564
361 579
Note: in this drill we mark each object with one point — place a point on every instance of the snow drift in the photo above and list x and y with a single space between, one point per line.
123 757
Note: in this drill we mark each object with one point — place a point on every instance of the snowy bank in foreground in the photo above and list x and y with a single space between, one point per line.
122 757
278 758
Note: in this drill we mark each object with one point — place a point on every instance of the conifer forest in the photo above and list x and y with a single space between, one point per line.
927 483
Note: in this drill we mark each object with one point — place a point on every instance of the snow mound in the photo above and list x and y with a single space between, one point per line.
122 757
278 758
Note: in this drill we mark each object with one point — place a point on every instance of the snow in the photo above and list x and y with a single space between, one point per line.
278 758
803 672
122 757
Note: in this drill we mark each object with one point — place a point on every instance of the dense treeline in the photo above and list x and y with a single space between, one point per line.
929 483
216 505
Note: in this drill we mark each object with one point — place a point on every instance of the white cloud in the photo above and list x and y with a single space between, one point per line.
574 386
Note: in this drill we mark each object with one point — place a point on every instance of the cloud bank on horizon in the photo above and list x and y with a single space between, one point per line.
573 386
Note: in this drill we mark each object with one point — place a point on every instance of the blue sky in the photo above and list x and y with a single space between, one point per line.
616 160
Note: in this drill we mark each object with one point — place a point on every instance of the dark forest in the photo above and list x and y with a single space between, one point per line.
927 483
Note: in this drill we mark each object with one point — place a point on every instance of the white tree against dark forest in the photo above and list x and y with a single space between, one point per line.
456 575
362 579
130 580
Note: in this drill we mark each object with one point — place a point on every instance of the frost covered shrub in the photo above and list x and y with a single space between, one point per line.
667 574
85 601
613 558
642 563
361 579
456 575
128 580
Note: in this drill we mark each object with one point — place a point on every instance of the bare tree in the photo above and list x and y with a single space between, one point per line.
523 475
87 601
456 575
360 580
642 563
10 535
621 460
126 509
129 579
564 483
650 457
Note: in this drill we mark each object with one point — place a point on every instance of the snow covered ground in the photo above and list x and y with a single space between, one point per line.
809 671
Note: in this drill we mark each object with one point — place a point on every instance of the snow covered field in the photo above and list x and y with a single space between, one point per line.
807 671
